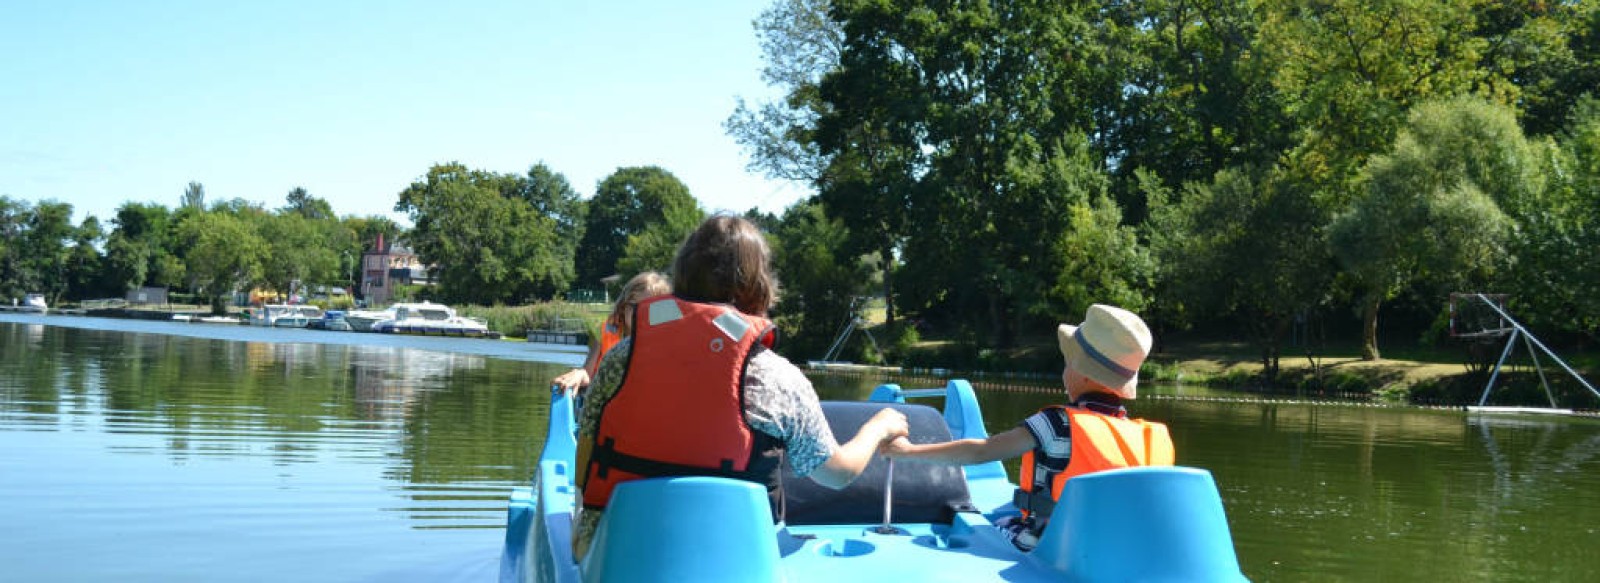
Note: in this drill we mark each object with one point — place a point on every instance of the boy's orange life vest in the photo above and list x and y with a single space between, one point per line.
1099 442
610 335
680 409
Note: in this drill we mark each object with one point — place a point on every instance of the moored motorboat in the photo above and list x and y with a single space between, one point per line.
921 522
332 320
34 303
362 320
285 315
428 318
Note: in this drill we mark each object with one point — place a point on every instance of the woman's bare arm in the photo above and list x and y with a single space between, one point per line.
962 452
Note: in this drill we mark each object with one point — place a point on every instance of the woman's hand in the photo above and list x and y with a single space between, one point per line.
896 447
890 425
851 457
573 379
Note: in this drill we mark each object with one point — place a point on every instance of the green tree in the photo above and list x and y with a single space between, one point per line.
225 254
1548 53
656 246
627 203
45 250
549 193
1349 70
302 203
194 196
84 276
1248 246
799 45
300 252
482 241
1431 211
1558 232
945 114
821 279
13 227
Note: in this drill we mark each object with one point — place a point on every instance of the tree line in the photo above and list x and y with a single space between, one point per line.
1224 163
991 168
208 251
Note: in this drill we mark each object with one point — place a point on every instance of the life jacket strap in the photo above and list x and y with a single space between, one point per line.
606 458
1036 503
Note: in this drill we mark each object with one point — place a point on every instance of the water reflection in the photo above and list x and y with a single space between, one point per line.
215 444
292 458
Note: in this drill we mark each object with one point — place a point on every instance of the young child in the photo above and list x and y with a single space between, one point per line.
617 326
1091 434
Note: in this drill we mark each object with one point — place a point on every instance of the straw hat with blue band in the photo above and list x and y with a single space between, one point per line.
1108 348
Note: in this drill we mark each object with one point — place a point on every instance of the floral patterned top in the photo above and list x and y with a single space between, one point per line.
779 401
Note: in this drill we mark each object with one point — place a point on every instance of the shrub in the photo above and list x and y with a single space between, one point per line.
557 315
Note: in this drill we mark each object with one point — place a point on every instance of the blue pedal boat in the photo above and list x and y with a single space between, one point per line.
1137 524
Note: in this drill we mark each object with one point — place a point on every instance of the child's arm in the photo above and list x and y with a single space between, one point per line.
962 452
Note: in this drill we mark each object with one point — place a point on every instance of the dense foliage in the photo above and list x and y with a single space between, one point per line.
1249 163
990 168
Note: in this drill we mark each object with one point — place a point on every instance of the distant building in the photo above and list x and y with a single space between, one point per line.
386 266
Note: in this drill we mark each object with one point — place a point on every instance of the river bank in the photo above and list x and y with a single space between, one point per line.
1419 375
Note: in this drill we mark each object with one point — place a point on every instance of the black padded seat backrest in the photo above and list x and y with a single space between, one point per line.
922 492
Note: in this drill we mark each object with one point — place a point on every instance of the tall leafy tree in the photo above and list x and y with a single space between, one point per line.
300 252
962 119
627 203
138 236
46 251
225 253
655 247
84 279
1348 71
304 204
1248 246
194 196
484 243
13 226
1545 55
821 278
799 45
1432 208
549 193
1557 240
1193 101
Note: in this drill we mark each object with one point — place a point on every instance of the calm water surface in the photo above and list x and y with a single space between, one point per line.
141 452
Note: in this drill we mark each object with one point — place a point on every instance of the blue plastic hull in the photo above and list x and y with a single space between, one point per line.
1136 524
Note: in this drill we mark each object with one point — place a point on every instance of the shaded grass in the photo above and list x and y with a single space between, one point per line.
1414 373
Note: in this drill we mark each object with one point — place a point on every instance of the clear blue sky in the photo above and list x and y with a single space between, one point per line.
111 101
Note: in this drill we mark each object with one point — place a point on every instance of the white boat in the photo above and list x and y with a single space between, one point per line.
428 318
34 303
285 315
362 320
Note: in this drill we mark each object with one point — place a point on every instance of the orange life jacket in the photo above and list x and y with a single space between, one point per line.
610 335
680 409
1099 442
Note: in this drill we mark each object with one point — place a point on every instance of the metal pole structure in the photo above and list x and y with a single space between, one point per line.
1543 382
1496 374
838 343
1536 342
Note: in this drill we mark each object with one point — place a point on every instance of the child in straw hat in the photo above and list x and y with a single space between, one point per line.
1092 433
